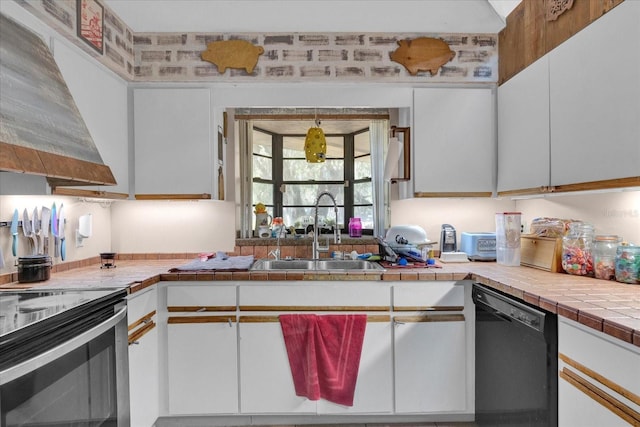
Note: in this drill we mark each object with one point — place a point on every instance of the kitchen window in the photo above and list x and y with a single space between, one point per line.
288 185
276 172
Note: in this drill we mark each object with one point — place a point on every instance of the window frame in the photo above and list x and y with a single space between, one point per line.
348 181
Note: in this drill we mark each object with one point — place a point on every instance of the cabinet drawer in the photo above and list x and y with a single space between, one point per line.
435 295
140 304
347 296
204 297
616 362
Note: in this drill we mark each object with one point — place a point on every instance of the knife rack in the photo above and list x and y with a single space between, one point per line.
7 224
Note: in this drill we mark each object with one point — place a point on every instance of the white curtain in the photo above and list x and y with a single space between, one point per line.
379 136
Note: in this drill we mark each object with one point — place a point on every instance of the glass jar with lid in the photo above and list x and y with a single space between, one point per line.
577 249
604 256
355 227
628 264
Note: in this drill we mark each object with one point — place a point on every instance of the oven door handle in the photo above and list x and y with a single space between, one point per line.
40 360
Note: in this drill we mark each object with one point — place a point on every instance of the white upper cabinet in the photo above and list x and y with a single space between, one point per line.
595 100
454 141
523 129
173 142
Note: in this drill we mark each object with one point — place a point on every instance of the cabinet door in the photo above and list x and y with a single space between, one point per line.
523 129
454 141
202 366
595 100
430 344
430 365
143 380
172 130
374 387
266 383
143 357
594 369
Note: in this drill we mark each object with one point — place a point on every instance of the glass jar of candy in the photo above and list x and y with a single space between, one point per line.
577 249
604 256
628 264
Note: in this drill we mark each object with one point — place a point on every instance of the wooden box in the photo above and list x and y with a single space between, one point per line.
544 253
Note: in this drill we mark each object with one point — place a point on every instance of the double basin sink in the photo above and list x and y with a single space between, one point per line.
315 265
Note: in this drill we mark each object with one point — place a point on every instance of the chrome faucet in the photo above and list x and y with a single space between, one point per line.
276 252
316 232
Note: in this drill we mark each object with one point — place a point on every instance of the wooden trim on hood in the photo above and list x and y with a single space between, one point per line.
59 170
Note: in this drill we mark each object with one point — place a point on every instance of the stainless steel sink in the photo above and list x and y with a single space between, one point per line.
316 265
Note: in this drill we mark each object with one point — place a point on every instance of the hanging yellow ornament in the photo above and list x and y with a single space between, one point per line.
315 145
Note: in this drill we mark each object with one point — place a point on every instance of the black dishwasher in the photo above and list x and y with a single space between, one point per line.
516 361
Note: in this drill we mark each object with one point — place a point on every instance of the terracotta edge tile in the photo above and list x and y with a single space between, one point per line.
241 275
295 275
622 332
590 320
547 304
567 311
219 275
531 298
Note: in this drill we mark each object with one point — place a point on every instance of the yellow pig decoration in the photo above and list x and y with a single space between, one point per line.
232 54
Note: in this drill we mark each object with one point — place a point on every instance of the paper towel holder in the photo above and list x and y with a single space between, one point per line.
406 150
84 229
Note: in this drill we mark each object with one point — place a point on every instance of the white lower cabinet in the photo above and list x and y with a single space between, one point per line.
228 359
432 355
266 382
595 385
202 349
202 361
265 376
374 387
430 366
143 358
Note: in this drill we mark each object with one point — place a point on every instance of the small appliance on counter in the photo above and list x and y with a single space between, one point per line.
448 241
449 245
108 260
478 246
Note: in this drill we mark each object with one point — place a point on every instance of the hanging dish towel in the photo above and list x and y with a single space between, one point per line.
324 354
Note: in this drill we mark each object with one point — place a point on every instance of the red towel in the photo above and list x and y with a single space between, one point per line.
324 354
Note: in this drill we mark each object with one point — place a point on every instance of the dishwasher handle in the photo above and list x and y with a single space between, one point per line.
508 308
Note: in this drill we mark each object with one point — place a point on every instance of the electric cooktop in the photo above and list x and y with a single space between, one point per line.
24 308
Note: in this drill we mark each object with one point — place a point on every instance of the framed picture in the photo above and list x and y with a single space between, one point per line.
91 23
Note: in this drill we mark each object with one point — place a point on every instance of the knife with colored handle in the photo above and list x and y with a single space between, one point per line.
54 230
61 227
14 233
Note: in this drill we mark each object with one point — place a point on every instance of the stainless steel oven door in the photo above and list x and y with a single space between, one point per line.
82 382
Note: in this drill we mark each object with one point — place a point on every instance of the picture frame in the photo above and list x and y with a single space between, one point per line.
90 23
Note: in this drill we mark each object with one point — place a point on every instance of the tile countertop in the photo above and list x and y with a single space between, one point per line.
607 306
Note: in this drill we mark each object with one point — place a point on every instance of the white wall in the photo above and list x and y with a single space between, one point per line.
463 214
100 241
611 213
172 226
